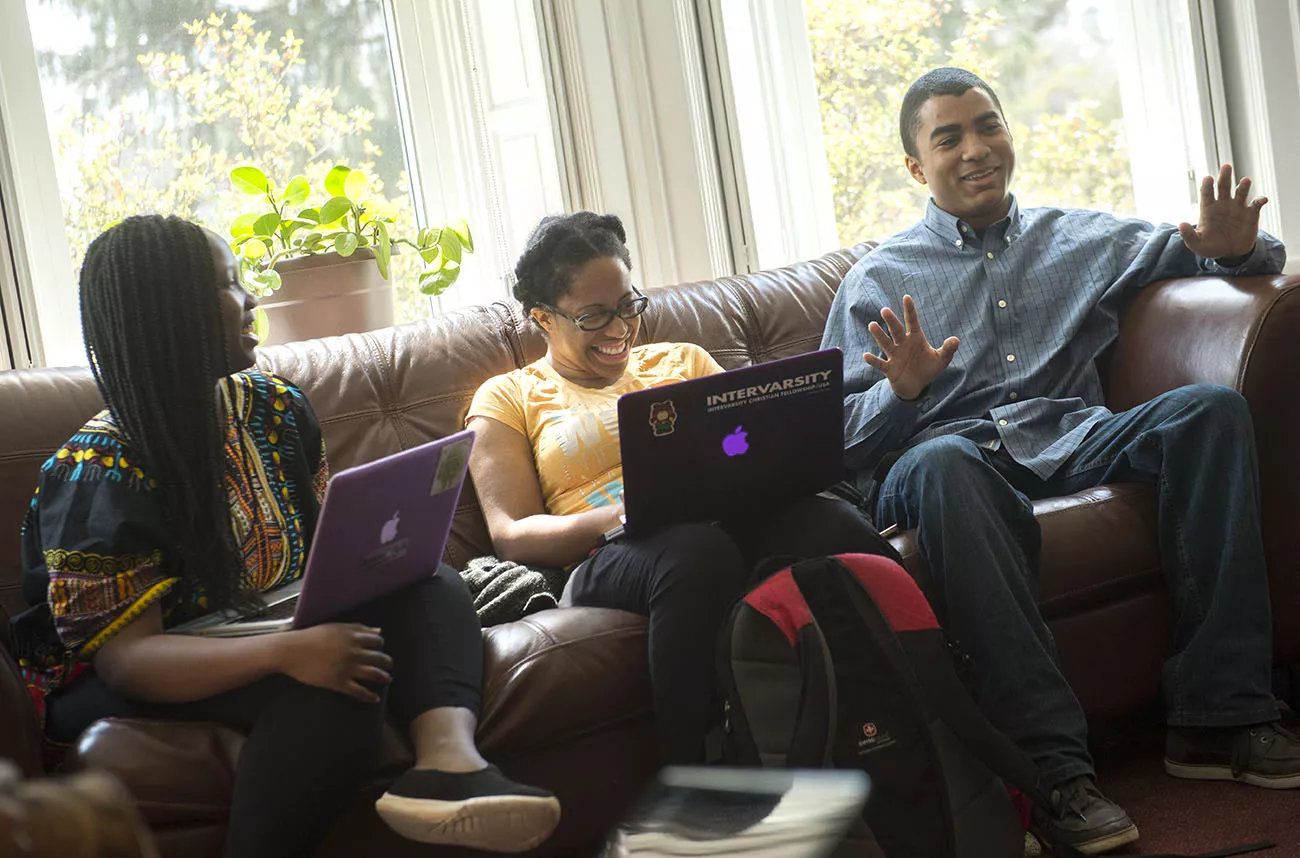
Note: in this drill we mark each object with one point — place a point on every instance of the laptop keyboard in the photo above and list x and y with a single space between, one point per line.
280 611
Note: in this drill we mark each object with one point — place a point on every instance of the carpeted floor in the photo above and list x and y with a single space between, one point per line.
1190 817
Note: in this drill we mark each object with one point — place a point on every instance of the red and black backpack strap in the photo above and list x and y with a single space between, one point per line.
777 680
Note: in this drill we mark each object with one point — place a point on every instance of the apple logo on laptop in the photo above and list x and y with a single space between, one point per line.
735 443
389 531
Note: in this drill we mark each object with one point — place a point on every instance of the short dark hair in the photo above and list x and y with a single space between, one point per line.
941 81
558 246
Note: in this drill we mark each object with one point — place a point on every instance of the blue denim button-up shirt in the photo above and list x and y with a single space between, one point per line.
1035 301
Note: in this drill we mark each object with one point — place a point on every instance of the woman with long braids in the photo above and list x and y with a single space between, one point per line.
198 486
548 471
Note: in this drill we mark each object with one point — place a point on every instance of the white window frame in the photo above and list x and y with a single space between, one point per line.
13 334
1260 44
437 63
1157 97
783 201
46 285
635 129
442 64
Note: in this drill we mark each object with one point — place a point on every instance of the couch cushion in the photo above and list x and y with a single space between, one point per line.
561 674
179 773
752 318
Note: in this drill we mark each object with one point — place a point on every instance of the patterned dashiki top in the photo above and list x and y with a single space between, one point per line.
95 546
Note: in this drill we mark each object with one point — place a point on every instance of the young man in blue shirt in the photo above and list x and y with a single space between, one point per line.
1009 408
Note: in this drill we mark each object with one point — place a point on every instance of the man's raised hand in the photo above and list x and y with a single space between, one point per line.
1228 224
910 362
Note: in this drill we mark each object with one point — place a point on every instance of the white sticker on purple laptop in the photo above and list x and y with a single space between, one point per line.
450 466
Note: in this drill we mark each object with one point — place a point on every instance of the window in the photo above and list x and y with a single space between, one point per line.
1096 92
147 106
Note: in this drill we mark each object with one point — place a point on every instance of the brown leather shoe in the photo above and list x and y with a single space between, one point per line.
1265 755
1084 818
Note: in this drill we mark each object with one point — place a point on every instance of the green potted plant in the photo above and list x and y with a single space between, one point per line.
323 269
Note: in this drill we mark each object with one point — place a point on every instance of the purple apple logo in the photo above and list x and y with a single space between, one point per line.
389 531
735 443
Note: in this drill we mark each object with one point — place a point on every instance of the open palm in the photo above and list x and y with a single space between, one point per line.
910 362
1228 224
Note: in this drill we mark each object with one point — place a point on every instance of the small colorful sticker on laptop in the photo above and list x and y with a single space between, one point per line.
663 418
451 465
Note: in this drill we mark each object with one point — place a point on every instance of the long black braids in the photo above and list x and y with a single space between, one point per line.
151 321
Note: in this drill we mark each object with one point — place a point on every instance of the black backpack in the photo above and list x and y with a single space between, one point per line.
839 662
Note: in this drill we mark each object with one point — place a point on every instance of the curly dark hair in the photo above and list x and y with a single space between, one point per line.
559 246
150 316
948 80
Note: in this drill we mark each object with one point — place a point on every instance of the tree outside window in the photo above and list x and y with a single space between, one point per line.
151 104
1051 62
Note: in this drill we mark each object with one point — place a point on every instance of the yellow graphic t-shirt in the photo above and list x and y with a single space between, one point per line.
573 430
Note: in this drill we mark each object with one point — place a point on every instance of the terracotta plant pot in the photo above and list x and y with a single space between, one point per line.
321 296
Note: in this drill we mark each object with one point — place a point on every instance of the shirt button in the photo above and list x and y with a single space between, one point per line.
1008 239
990 255
957 242
1011 358
1013 396
1002 423
1002 304
963 227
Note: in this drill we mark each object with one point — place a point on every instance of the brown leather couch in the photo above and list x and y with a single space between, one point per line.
567 702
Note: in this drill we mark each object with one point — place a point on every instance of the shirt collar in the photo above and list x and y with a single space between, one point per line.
949 228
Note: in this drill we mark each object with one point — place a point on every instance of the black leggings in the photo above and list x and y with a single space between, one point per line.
309 749
685 578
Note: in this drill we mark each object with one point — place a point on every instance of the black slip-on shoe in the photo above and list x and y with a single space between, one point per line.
480 810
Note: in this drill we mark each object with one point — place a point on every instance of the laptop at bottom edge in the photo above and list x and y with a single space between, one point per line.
758 813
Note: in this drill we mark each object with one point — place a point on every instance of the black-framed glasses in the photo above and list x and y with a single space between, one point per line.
601 319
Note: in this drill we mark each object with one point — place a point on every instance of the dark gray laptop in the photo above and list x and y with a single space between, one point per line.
728 444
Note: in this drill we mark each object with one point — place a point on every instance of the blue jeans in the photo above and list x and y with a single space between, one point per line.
975 526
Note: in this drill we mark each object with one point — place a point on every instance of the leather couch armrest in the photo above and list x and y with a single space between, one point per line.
1243 332
1240 332
20 730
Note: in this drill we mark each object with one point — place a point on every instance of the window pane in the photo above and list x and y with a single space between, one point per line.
150 105
1053 64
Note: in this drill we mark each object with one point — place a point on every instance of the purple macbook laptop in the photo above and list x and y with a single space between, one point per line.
728 444
383 525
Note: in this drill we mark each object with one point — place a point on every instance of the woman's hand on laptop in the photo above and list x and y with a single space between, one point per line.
337 656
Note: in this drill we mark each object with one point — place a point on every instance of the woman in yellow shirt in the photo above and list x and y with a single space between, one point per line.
549 474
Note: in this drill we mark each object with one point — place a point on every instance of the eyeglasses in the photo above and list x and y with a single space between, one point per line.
601 319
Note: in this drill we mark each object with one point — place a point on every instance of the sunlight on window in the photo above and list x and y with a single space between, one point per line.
1052 63
150 105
